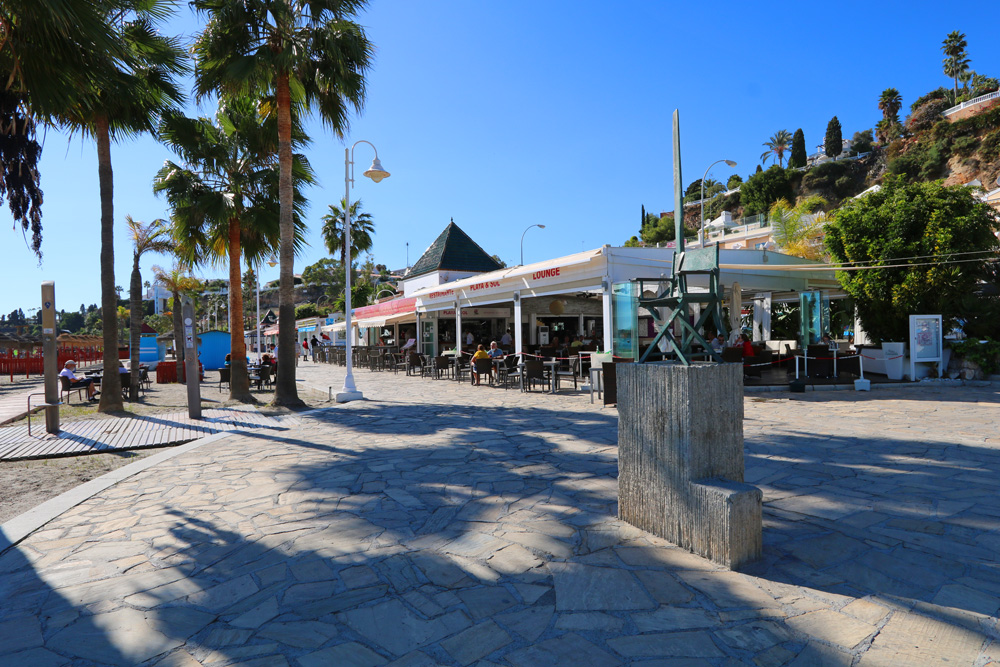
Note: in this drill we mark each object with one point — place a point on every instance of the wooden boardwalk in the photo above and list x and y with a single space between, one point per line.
116 433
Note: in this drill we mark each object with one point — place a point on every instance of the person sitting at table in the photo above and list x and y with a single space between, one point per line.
829 342
229 360
494 352
265 360
577 342
481 353
75 382
717 343
746 345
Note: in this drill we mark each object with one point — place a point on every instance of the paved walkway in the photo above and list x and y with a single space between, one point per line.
438 523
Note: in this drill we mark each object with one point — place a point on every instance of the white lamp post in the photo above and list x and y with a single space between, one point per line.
376 173
522 241
728 162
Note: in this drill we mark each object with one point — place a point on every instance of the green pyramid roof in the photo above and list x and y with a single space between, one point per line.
454 250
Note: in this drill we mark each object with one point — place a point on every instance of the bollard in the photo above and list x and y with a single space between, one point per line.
680 459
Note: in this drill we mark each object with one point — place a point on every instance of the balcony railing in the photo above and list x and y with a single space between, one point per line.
969 103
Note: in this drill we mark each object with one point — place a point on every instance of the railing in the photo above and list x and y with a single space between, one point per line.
969 103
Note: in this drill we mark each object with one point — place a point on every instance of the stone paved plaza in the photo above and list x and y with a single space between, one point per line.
439 523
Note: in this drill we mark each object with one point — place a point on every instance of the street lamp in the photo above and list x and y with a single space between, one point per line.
522 241
376 173
728 162
272 261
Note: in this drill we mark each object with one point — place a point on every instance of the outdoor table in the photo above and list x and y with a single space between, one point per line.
552 364
596 377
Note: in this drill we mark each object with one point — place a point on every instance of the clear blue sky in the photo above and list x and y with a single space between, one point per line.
504 115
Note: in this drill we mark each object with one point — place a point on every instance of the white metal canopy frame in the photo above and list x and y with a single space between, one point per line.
376 173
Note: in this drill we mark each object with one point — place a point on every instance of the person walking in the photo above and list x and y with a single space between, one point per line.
314 343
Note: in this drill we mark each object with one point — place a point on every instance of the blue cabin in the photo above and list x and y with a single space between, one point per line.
213 348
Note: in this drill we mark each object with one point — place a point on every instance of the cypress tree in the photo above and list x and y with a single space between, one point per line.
834 142
798 156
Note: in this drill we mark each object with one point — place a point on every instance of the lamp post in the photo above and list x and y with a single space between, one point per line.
522 241
731 164
376 173
272 261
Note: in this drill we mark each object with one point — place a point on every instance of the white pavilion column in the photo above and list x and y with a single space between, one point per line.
532 329
516 328
609 335
579 325
458 326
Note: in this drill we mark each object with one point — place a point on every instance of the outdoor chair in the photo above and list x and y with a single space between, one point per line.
426 365
484 367
67 390
225 374
610 379
534 371
144 377
572 372
508 371
442 366
820 361
461 367
264 377
413 363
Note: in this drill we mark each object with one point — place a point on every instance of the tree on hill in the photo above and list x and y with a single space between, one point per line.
833 143
798 156
764 188
861 142
734 181
889 103
776 146
956 59
914 230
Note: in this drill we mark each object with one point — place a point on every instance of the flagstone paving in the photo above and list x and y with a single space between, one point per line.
438 523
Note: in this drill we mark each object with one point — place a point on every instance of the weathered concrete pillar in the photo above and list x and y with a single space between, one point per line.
680 459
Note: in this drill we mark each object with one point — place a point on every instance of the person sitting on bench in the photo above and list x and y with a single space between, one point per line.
76 382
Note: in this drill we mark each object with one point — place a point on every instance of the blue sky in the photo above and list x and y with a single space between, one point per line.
504 115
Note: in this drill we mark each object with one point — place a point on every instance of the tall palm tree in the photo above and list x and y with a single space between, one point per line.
154 237
178 281
776 146
129 103
225 200
43 74
797 229
362 229
889 103
956 60
304 53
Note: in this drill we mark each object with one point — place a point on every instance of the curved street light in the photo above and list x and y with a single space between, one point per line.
731 163
376 173
522 241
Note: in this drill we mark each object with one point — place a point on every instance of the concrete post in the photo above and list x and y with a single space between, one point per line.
50 356
191 361
680 459
516 329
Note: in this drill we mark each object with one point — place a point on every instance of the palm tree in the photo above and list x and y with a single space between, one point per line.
889 103
225 200
43 75
797 229
956 60
177 281
362 229
776 146
136 92
154 237
304 53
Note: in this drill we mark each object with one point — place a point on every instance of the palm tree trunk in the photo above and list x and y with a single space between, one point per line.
178 335
239 379
135 322
111 388
285 392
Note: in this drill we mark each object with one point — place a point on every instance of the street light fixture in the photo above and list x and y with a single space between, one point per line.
522 241
728 162
376 173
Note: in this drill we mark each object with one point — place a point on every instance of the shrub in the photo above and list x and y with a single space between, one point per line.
764 188
926 115
990 148
965 146
824 176
714 208
733 181
923 162
862 142
939 94
843 186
